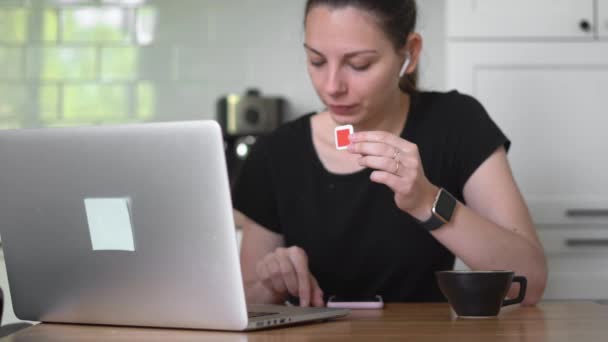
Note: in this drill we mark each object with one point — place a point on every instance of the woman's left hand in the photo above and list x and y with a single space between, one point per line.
396 163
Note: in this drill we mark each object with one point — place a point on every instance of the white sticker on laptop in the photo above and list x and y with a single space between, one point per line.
110 225
341 136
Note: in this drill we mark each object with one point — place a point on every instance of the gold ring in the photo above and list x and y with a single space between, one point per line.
396 172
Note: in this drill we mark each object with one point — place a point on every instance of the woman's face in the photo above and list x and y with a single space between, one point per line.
353 65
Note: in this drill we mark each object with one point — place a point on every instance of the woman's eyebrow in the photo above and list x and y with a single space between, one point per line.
312 50
348 55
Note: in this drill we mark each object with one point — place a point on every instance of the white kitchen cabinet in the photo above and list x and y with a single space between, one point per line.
550 97
520 18
577 262
576 259
603 19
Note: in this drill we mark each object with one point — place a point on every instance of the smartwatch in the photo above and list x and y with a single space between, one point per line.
443 208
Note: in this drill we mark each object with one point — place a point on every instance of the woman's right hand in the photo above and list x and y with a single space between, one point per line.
285 271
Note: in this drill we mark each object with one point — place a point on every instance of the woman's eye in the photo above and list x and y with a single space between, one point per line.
360 67
317 63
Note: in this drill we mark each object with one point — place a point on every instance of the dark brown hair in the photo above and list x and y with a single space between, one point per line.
397 18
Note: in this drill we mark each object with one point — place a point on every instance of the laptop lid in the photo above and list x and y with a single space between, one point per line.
121 225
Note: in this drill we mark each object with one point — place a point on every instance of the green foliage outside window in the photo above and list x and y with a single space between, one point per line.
49 104
12 104
67 63
50 26
13 26
119 63
10 62
146 101
95 104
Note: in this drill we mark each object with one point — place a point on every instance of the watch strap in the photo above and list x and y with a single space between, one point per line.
437 218
433 223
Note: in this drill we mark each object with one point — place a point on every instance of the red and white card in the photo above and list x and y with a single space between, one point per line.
341 136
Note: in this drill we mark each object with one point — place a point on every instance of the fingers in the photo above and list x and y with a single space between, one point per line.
389 179
378 163
300 262
381 137
390 165
317 294
269 272
380 149
398 151
286 271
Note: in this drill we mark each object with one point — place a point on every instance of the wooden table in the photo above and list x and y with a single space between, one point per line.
549 321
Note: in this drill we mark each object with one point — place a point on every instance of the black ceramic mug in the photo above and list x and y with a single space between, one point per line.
479 293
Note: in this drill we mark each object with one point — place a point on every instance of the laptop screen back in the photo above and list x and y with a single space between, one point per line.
107 225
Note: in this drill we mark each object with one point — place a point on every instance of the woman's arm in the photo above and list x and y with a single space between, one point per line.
270 271
256 243
494 231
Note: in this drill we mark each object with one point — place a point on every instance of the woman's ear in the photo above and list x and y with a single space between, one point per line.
412 53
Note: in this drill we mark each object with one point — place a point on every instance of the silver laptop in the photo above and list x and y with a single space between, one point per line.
126 225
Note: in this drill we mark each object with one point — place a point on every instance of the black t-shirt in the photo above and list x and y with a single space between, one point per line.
358 242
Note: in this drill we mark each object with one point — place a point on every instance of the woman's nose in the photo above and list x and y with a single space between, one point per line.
335 84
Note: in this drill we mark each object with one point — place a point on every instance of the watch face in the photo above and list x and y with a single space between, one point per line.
444 207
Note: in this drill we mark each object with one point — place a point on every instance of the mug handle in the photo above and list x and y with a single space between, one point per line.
523 283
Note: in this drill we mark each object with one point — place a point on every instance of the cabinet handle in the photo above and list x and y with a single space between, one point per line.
587 212
587 242
585 25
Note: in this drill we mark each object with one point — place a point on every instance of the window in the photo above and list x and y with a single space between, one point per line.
74 62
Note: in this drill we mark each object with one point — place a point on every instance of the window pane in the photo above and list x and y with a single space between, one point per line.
13 24
65 63
95 104
50 26
93 24
146 25
146 101
119 63
49 104
11 63
12 104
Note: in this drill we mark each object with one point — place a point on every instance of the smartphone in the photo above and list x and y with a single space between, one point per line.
341 302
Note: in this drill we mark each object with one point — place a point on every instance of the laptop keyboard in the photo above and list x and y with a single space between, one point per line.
251 314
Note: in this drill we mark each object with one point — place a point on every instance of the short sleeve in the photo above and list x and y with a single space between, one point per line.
477 137
253 192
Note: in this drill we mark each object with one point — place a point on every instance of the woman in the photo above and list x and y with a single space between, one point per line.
318 221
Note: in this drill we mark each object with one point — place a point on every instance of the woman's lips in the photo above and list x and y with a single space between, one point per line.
341 109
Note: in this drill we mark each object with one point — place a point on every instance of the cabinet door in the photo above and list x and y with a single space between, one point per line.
603 19
520 18
551 99
576 259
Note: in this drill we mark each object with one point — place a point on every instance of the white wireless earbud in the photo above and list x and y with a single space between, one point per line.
405 65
